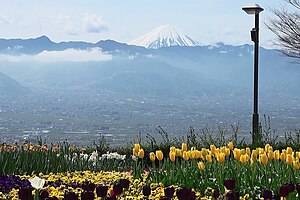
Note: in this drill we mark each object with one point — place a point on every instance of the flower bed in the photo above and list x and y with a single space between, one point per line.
182 173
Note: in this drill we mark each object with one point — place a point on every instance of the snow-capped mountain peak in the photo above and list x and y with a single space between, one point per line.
164 36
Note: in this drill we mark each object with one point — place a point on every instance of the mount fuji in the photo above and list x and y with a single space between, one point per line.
164 36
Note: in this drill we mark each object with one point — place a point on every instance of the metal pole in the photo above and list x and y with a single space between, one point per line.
255 125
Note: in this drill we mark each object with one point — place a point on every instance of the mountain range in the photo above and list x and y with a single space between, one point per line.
162 36
177 67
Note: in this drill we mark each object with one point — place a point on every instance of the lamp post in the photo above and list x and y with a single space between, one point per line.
255 10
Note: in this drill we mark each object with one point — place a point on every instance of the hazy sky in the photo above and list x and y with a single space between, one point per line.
207 21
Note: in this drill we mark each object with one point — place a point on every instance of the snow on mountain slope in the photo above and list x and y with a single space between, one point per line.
164 36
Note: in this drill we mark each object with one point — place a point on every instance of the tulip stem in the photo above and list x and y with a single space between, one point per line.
36 195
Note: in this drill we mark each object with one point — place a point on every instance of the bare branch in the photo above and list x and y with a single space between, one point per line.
286 26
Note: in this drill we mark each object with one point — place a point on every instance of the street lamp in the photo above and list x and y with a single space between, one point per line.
255 10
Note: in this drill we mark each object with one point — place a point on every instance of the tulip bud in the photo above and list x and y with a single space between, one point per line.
277 155
209 158
172 156
230 145
184 147
236 153
289 159
134 152
283 156
159 155
172 149
248 151
213 149
264 159
141 153
152 156
289 150
185 155
201 166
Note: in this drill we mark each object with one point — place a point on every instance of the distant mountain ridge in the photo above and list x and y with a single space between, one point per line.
43 43
164 36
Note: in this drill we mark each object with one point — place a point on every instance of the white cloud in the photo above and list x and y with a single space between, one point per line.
93 24
68 55
86 24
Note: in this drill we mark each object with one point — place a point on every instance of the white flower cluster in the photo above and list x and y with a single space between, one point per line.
113 155
94 156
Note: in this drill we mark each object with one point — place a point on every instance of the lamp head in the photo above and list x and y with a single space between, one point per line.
252 9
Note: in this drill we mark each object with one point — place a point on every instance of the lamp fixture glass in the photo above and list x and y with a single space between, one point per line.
252 9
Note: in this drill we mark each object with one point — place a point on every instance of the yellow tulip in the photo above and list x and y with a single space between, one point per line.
248 151
204 151
201 166
255 153
267 147
236 153
193 154
185 155
221 157
184 147
270 149
172 156
159 155
282 156
227 151
209 158
243 151
253 157
222 150
198 154
284 151
277 154
172 149
179 152
289 159
289 150
137 147
213 149
230 145
189 154
261 151
271 155
244 158
141 153
296 164
152 156
134 152
263 159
